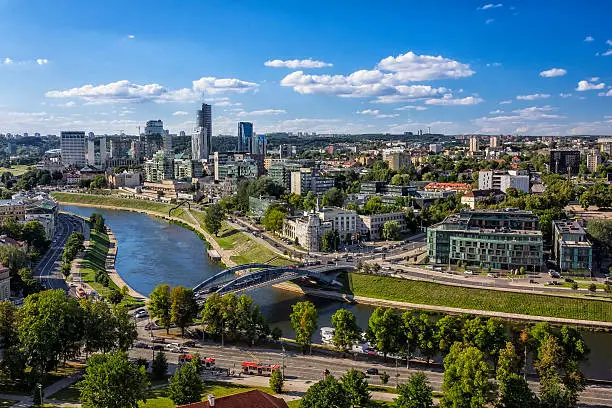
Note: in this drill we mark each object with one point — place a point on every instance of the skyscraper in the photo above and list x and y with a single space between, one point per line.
245 137
200 149
204 121
473 144
154 137
72 145
564 161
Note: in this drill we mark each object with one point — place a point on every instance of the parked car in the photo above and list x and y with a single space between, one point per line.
173 348
158 347
555 275
469 272
532 281
141 313
372 371
490 275
569 280
158 340
190 343
141 345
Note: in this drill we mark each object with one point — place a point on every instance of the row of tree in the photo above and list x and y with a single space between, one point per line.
96 222
74 245
176 306
52 327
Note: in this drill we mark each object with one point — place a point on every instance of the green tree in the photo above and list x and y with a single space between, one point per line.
448 332
514 390
213 218
391 231
276 382
327 393
213 316
183 307
574 347
416 393
346 331
334 197
328 241
488 336
356 388
99 328
34 234
186 386
310 201
601 232
427 337
125 329
98 182
159 366
304 319
160 304
385 330
467 379
273 218
111 381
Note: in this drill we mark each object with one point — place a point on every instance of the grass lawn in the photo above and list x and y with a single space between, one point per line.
375 404
68 394
17 170
20 388
158 398
127 203
95 260
428 293
7 403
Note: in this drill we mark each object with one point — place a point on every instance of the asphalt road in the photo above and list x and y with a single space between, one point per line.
311 368
48 269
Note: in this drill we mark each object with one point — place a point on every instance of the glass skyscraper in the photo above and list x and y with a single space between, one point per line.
245 136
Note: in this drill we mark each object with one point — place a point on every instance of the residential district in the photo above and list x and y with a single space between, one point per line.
496 249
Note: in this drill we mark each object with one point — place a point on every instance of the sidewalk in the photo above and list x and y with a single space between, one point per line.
112 272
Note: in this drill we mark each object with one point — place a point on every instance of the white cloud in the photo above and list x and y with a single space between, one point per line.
532 97
494 64
449 100
131 36
594 79
293 64
506 102
588 86
609 42
125 91
413 67
496 112
262 112
8 61
411 107
588 38
42 61
565 95
490 6
605 54
520 116
553 72
180 113
376 113
609 93
489 21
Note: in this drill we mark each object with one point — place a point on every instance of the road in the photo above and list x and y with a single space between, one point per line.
311 368
48 268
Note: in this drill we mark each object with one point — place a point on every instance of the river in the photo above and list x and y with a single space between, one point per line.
153 251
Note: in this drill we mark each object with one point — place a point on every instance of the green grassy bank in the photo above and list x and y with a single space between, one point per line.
428 293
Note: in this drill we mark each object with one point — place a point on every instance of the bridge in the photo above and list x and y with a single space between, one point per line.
264 275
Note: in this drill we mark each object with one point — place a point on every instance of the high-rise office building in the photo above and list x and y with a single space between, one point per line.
72 146
97 152
200 149
262 145
564 161
245 137
204 121
154 137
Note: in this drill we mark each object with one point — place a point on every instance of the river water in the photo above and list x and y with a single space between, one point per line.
153 251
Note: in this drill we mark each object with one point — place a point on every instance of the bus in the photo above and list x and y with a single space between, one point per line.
207 362
252 368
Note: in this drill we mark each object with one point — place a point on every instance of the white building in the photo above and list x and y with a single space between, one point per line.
346 222
502 180
5 283
200 149
473 144
72 145
436 148
306 179
306 230
493 141
593 160
96 152
374 223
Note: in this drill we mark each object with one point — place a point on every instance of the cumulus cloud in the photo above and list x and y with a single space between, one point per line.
489 20
496 112
565 95
494 64
376 113
506 102
411 107
388 82
532 97
609 93
588 38
585 85
125 91
553 72
295 63
449 100
262 112
10 61
42 61
609 42
607 53
490 6
131 36
520 116
180 113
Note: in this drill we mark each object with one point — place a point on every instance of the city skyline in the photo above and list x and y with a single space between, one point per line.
474 67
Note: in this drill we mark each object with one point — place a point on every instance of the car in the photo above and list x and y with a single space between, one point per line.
532 281
158 347
330 262
469 272
569 280
555 275
141 313
173 348
372 371
142 345
158 340
549 283
490 275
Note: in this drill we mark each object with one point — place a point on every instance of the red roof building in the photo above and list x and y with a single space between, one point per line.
249 399
448 187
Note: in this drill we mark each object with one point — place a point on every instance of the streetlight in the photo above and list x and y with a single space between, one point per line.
39 386
283 356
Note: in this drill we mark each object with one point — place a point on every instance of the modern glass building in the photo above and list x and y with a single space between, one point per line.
572 249
245 136
501 239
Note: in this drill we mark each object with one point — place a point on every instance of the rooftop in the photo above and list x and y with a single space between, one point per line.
249 399
568 227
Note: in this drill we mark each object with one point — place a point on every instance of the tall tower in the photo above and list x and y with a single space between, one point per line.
204 122
473 144
72 146
245 137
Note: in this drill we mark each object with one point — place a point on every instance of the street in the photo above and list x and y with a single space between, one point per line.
47 271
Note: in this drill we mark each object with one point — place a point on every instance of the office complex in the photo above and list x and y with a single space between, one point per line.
245 137
307 179
72 146
564 161
204 122
502 239
503 180
571 248
159 167
493 141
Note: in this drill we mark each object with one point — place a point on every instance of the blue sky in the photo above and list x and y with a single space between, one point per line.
519 66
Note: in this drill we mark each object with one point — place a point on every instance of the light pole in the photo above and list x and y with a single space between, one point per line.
39 386
283 355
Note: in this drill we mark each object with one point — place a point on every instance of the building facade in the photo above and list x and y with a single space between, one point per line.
503 180
503 239
5 283
564 161
159 167
372 225
200 147
204 121
15 209
593 160
72 145
572 249
397 160
245 137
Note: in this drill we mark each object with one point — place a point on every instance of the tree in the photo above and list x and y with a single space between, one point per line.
416 393
346 331
276 381
385 330
274 217
513 388
183 307
276 333
328 241
213 218
99 328
356 388
467 379
327 393
427 337
391 230
97 222
160 304
159 366
8 323
488 336
111 381
212 315
304 319
310 201
98 182
186 386
448 332
574 347
115 296
34 234
125 328
601 232
334 197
